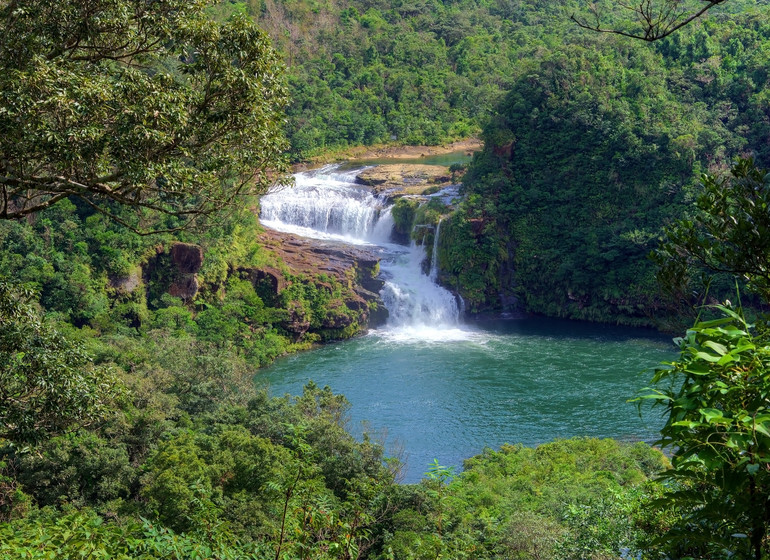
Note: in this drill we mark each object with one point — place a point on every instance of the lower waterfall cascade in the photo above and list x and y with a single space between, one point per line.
328 204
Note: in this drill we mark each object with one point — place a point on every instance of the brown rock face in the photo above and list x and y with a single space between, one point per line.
187 258
336 318
175 270
268 282
187 261
506 150
477 225
127 284
297 322
185 287
354 268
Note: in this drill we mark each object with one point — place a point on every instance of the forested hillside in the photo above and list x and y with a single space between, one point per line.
594 142
411 72
428 71
597 146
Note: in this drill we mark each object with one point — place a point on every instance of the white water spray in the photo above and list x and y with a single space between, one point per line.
328 204
323 204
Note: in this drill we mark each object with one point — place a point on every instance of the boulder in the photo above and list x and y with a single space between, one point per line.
372 284
187 258
355 268
297 321
357 304
337 318
378 316
185 286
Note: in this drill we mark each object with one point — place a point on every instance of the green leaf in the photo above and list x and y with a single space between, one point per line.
689 424
731 313
726 359
713 323
653 396
698 369
708 357
762 430
720 349
711 414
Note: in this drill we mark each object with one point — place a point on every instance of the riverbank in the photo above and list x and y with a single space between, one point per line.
468 145
389 151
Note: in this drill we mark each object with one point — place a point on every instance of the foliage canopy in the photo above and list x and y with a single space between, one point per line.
728 234
150 105
47 382
717 403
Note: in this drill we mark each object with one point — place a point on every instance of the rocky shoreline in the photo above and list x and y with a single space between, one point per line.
468 145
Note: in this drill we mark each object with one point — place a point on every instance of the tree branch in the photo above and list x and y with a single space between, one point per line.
654 27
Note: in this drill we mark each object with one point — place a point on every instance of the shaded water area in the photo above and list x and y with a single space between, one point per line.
440 388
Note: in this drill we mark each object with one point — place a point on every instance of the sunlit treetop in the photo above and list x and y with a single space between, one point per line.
147 104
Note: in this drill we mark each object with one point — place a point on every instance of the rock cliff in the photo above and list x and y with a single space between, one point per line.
348 274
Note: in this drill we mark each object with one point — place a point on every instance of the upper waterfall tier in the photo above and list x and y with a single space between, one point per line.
326 203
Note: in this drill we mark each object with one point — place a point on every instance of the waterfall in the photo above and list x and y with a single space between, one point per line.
328 204
413 299
323 204
383 228
434 255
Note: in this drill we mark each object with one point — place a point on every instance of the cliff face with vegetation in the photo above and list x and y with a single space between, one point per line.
597 146
234 285
594 142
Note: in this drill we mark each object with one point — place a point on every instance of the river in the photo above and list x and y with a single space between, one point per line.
435 387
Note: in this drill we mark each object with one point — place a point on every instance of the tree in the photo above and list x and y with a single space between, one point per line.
149 105
653 19
729 232
717 403
48 384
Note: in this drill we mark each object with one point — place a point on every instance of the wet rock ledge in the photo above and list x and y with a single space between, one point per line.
404 179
